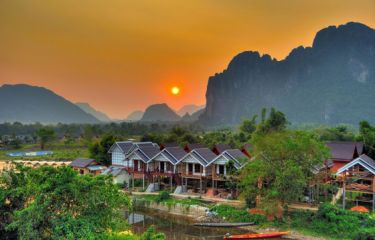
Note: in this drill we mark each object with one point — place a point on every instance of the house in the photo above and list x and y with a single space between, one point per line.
165 145
224 169
139 159
219 148
343 153
191 146
119 174
194 167
358 176
247 149
163 166
86 166
120 150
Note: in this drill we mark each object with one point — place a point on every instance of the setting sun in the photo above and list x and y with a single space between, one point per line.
175 90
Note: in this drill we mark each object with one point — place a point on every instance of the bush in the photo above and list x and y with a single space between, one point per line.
232 214
334 222
163 196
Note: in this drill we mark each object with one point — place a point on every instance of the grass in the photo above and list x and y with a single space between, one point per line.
61 152
173 201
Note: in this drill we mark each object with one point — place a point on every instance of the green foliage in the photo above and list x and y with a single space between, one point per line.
163 195
333 222
232 214
339 133
58 203
248 126
45 134
367 135
282 168
276 121
99 150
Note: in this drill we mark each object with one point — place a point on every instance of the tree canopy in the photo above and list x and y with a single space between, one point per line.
58 203
282 166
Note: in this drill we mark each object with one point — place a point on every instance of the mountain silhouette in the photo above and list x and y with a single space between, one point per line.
329 83
30 104
90 110
160 113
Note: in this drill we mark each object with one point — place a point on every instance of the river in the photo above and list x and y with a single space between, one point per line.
177 227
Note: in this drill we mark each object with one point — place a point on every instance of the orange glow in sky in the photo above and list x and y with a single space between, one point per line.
121 56
175 90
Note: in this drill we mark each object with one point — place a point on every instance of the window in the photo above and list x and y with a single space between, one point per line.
221 169
190 167
161 166
197 168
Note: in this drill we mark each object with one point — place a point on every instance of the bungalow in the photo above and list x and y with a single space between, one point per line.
191 146
163 166
246 149
343 153
120 150
139 159
359 176
119 174
194 166
219 148
85 166
224 167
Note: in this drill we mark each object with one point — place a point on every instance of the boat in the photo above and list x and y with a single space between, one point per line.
223 224
257 235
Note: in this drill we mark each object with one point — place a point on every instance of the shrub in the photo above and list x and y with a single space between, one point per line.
232 214
163 196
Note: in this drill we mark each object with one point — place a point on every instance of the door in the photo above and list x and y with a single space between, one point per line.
190 168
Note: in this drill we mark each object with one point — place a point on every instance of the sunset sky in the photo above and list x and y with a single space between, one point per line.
121 56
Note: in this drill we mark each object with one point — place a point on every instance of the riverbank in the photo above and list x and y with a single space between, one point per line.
191 209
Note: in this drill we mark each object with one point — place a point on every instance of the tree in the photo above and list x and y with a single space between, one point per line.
248 126
45 135
282 166
99 150
58 203
367 135
276 121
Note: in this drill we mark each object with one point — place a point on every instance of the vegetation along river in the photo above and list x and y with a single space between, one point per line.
177 227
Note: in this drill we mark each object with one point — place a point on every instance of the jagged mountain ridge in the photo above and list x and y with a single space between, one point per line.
90 110
30 104
331 82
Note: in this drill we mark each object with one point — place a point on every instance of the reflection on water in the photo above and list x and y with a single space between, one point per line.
176 227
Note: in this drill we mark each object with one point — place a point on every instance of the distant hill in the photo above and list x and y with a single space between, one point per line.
193 117
329 83
90 110
135 116
29 104
160 113
190 109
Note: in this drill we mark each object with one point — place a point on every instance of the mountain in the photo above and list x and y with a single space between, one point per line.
160 113
29 104
329 83
90 110
135 116
193 117
190 109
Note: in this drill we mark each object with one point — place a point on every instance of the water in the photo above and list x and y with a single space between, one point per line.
177 227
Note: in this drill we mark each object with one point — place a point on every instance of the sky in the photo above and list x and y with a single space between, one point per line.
121 56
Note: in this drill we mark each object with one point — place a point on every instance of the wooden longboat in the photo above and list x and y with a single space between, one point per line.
257 235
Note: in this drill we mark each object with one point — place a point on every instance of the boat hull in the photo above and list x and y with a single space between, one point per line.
257 235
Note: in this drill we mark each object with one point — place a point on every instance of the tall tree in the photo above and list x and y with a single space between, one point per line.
282 167
45 134
99 150
367 135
